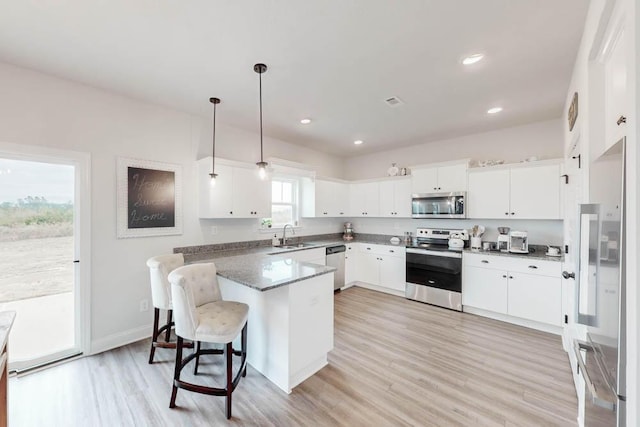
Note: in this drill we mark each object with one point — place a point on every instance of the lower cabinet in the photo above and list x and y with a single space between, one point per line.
382 266
516 287
350 263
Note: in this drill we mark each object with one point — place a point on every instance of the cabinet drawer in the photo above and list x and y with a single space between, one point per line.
388 250
534 266
484 261
521 265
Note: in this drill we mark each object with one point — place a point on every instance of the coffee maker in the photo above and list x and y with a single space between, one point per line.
518 242
503 239
348 232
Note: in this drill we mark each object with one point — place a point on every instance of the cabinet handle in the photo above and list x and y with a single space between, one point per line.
621 120
510 277
504 276
439 188
484 261
391 250
431 282
368 249
506 213
230 212
533 266
341 213
513 213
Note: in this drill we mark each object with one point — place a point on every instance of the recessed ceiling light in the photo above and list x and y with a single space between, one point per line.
305 121
358 142
494 110
472 59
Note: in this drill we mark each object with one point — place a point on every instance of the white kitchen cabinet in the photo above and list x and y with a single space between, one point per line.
325 199
529 289
535 297
484 288
440 179
488 195
251 195
617 101
365 199
238 191
382 266
215 201
521 192
350 263
395 198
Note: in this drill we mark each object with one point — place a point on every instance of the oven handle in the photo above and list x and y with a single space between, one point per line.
434 253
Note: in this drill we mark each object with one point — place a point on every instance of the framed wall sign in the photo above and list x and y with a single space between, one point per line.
572 115
149 198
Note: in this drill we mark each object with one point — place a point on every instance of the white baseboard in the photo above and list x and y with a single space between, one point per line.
121 338
557 330
378 288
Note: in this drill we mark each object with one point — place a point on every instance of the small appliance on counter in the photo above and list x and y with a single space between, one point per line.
518 242
457 240
503 239
348 232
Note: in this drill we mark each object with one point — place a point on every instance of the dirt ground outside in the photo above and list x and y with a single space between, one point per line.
36 267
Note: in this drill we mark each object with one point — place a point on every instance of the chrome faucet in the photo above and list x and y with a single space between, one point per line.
284 233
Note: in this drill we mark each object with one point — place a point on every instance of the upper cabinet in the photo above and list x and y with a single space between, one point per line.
617 100
364 199
439 179
520 192
238 191
395 198
324 198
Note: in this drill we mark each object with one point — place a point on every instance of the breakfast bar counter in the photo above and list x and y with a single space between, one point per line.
290 303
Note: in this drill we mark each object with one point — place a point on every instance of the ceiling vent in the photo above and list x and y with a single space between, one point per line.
394 102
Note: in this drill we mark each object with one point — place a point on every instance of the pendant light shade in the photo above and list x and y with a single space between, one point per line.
213 174
262 165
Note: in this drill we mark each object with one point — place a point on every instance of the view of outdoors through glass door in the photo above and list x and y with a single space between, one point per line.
36 260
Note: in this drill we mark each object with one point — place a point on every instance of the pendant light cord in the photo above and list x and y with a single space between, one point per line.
261 152
213 151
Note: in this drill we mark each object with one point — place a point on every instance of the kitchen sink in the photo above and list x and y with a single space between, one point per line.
297 246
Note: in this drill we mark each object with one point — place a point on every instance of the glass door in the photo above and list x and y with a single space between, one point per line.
38 253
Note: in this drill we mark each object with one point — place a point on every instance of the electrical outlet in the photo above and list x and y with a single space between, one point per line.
144 305
214 230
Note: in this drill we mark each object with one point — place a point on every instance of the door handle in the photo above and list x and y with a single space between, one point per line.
533 266
568 275
621 120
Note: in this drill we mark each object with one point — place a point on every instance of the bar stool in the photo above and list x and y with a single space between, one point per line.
202 316
159 269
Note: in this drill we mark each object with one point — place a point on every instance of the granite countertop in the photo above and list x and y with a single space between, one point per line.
264 267
263 272
540 253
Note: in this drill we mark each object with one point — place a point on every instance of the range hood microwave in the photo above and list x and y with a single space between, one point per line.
438 205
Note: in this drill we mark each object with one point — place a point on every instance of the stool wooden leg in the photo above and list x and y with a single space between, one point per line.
176 372
167 335
154 336
197 351
228 354
244 349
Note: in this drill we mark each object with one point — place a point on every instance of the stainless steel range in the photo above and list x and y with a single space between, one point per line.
434 271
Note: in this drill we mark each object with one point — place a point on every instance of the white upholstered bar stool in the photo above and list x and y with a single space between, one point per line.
202 316
159 269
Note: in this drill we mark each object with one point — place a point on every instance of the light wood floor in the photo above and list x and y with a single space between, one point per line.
395 362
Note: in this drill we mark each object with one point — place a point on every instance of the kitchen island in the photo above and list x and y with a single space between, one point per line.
290 311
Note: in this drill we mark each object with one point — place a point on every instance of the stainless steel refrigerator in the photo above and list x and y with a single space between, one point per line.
601 291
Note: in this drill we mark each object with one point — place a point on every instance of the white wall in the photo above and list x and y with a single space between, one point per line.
40 110
541 139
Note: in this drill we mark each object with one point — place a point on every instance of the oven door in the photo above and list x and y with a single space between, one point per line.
441 205
435 269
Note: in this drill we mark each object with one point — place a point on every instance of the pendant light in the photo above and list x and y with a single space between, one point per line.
213 174
262 165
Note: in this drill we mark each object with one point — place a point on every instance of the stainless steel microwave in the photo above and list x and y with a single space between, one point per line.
438 205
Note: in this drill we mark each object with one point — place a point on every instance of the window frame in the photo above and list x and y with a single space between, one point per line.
295 201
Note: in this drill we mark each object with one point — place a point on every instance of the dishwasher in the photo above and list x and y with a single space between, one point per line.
335 258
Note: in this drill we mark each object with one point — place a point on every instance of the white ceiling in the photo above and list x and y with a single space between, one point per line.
332 60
